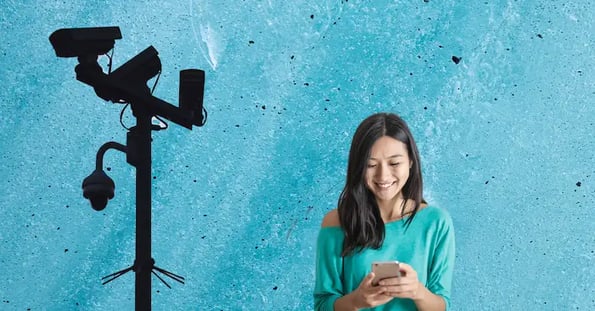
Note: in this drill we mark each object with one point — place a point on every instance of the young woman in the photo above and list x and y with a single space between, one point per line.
382 216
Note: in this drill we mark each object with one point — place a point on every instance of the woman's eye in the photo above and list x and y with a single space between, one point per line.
395 164
371 165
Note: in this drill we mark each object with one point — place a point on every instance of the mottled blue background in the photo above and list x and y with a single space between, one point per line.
505 137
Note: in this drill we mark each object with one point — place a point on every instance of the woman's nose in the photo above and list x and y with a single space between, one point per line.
383 172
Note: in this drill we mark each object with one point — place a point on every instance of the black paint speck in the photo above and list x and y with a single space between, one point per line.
307 84
251 42
540 36
312 16
237 125
456 59
275 288
66 250
263 107
578 184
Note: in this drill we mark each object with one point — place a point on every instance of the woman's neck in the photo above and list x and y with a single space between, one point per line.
392 210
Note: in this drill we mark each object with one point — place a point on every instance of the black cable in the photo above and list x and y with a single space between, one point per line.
206 116
156 80
122 117
156 116
109 64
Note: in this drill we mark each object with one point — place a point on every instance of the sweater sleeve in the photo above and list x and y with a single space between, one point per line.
443 259
329 266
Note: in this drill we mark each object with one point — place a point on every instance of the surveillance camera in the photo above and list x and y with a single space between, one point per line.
98 188
73 42
192 88
138 70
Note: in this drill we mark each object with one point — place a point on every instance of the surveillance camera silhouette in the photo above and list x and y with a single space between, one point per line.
98 188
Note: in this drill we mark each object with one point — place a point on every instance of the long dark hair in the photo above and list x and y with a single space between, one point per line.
358 211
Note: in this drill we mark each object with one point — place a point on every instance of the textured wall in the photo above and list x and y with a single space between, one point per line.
505 137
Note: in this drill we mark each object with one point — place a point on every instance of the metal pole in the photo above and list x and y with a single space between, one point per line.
143 262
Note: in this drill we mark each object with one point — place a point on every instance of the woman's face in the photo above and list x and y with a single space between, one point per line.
388 168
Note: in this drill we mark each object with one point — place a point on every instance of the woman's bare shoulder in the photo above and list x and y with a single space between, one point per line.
331 219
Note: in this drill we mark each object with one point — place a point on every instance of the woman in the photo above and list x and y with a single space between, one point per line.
382 216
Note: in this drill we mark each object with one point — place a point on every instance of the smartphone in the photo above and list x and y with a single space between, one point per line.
384 270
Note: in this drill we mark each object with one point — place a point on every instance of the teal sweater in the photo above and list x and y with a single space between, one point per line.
428 245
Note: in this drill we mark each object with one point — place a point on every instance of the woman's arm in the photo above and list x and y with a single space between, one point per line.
345 303
329 264
428 301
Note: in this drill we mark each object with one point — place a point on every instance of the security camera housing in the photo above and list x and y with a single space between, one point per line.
77 42
98 188
138 70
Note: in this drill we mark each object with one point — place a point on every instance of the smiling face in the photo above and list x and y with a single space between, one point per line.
388 169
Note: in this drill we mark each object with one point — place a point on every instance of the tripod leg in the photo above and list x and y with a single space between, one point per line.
161 279
171 275
116 275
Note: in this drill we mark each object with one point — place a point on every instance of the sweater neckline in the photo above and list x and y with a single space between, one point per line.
391 223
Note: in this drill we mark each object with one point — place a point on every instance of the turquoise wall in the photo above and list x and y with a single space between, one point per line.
505 137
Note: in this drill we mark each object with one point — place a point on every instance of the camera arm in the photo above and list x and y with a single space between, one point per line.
112 89
105 147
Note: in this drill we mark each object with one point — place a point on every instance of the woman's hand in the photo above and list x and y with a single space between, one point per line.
367 295
406 286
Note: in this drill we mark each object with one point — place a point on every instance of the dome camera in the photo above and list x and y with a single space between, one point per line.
98 188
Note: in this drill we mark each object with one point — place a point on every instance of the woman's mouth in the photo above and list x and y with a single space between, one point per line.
385 185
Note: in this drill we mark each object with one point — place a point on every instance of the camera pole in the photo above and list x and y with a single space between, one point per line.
140 137
128 84
138 153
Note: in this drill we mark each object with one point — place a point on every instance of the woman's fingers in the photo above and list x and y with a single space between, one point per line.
368 279
408 290
405 286
407 270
